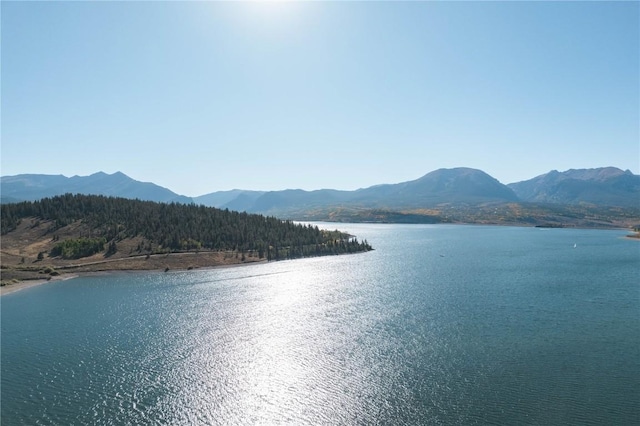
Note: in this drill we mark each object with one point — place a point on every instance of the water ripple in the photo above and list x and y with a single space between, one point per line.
398 336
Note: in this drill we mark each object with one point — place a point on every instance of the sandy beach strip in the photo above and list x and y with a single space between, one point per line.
12 288
21 285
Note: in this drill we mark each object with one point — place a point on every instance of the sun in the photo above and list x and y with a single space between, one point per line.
273 10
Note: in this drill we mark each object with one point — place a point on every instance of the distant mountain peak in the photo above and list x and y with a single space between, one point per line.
601 173
603 186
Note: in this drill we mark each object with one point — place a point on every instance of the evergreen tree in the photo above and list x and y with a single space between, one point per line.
174 227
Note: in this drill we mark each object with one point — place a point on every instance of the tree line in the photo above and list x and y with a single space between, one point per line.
179 227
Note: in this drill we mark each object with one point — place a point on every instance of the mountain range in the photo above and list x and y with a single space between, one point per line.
607 186
30 187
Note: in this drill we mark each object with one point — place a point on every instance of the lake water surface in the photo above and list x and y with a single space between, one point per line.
441 324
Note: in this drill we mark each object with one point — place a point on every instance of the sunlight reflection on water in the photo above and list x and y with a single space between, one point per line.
272 356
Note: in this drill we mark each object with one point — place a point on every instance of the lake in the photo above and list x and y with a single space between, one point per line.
440 325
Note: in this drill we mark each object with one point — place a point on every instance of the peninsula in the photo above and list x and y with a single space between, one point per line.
71 234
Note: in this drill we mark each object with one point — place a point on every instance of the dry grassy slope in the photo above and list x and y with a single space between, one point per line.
19 254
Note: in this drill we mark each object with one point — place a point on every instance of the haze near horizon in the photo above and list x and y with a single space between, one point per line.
206 96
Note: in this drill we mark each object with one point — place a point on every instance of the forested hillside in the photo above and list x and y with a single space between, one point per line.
173 227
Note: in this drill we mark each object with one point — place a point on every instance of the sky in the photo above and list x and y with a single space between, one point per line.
206 96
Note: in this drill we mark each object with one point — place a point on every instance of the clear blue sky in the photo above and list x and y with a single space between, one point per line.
206 96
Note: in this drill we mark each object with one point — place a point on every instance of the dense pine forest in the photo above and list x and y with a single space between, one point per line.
173 228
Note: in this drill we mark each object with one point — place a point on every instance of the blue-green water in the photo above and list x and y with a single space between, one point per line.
438 325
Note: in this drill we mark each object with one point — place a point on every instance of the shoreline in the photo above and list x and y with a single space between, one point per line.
22 285
29 283
18 276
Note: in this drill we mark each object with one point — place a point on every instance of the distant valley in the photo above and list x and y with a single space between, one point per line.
598 197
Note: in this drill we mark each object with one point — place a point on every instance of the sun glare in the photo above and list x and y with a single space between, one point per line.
271 14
